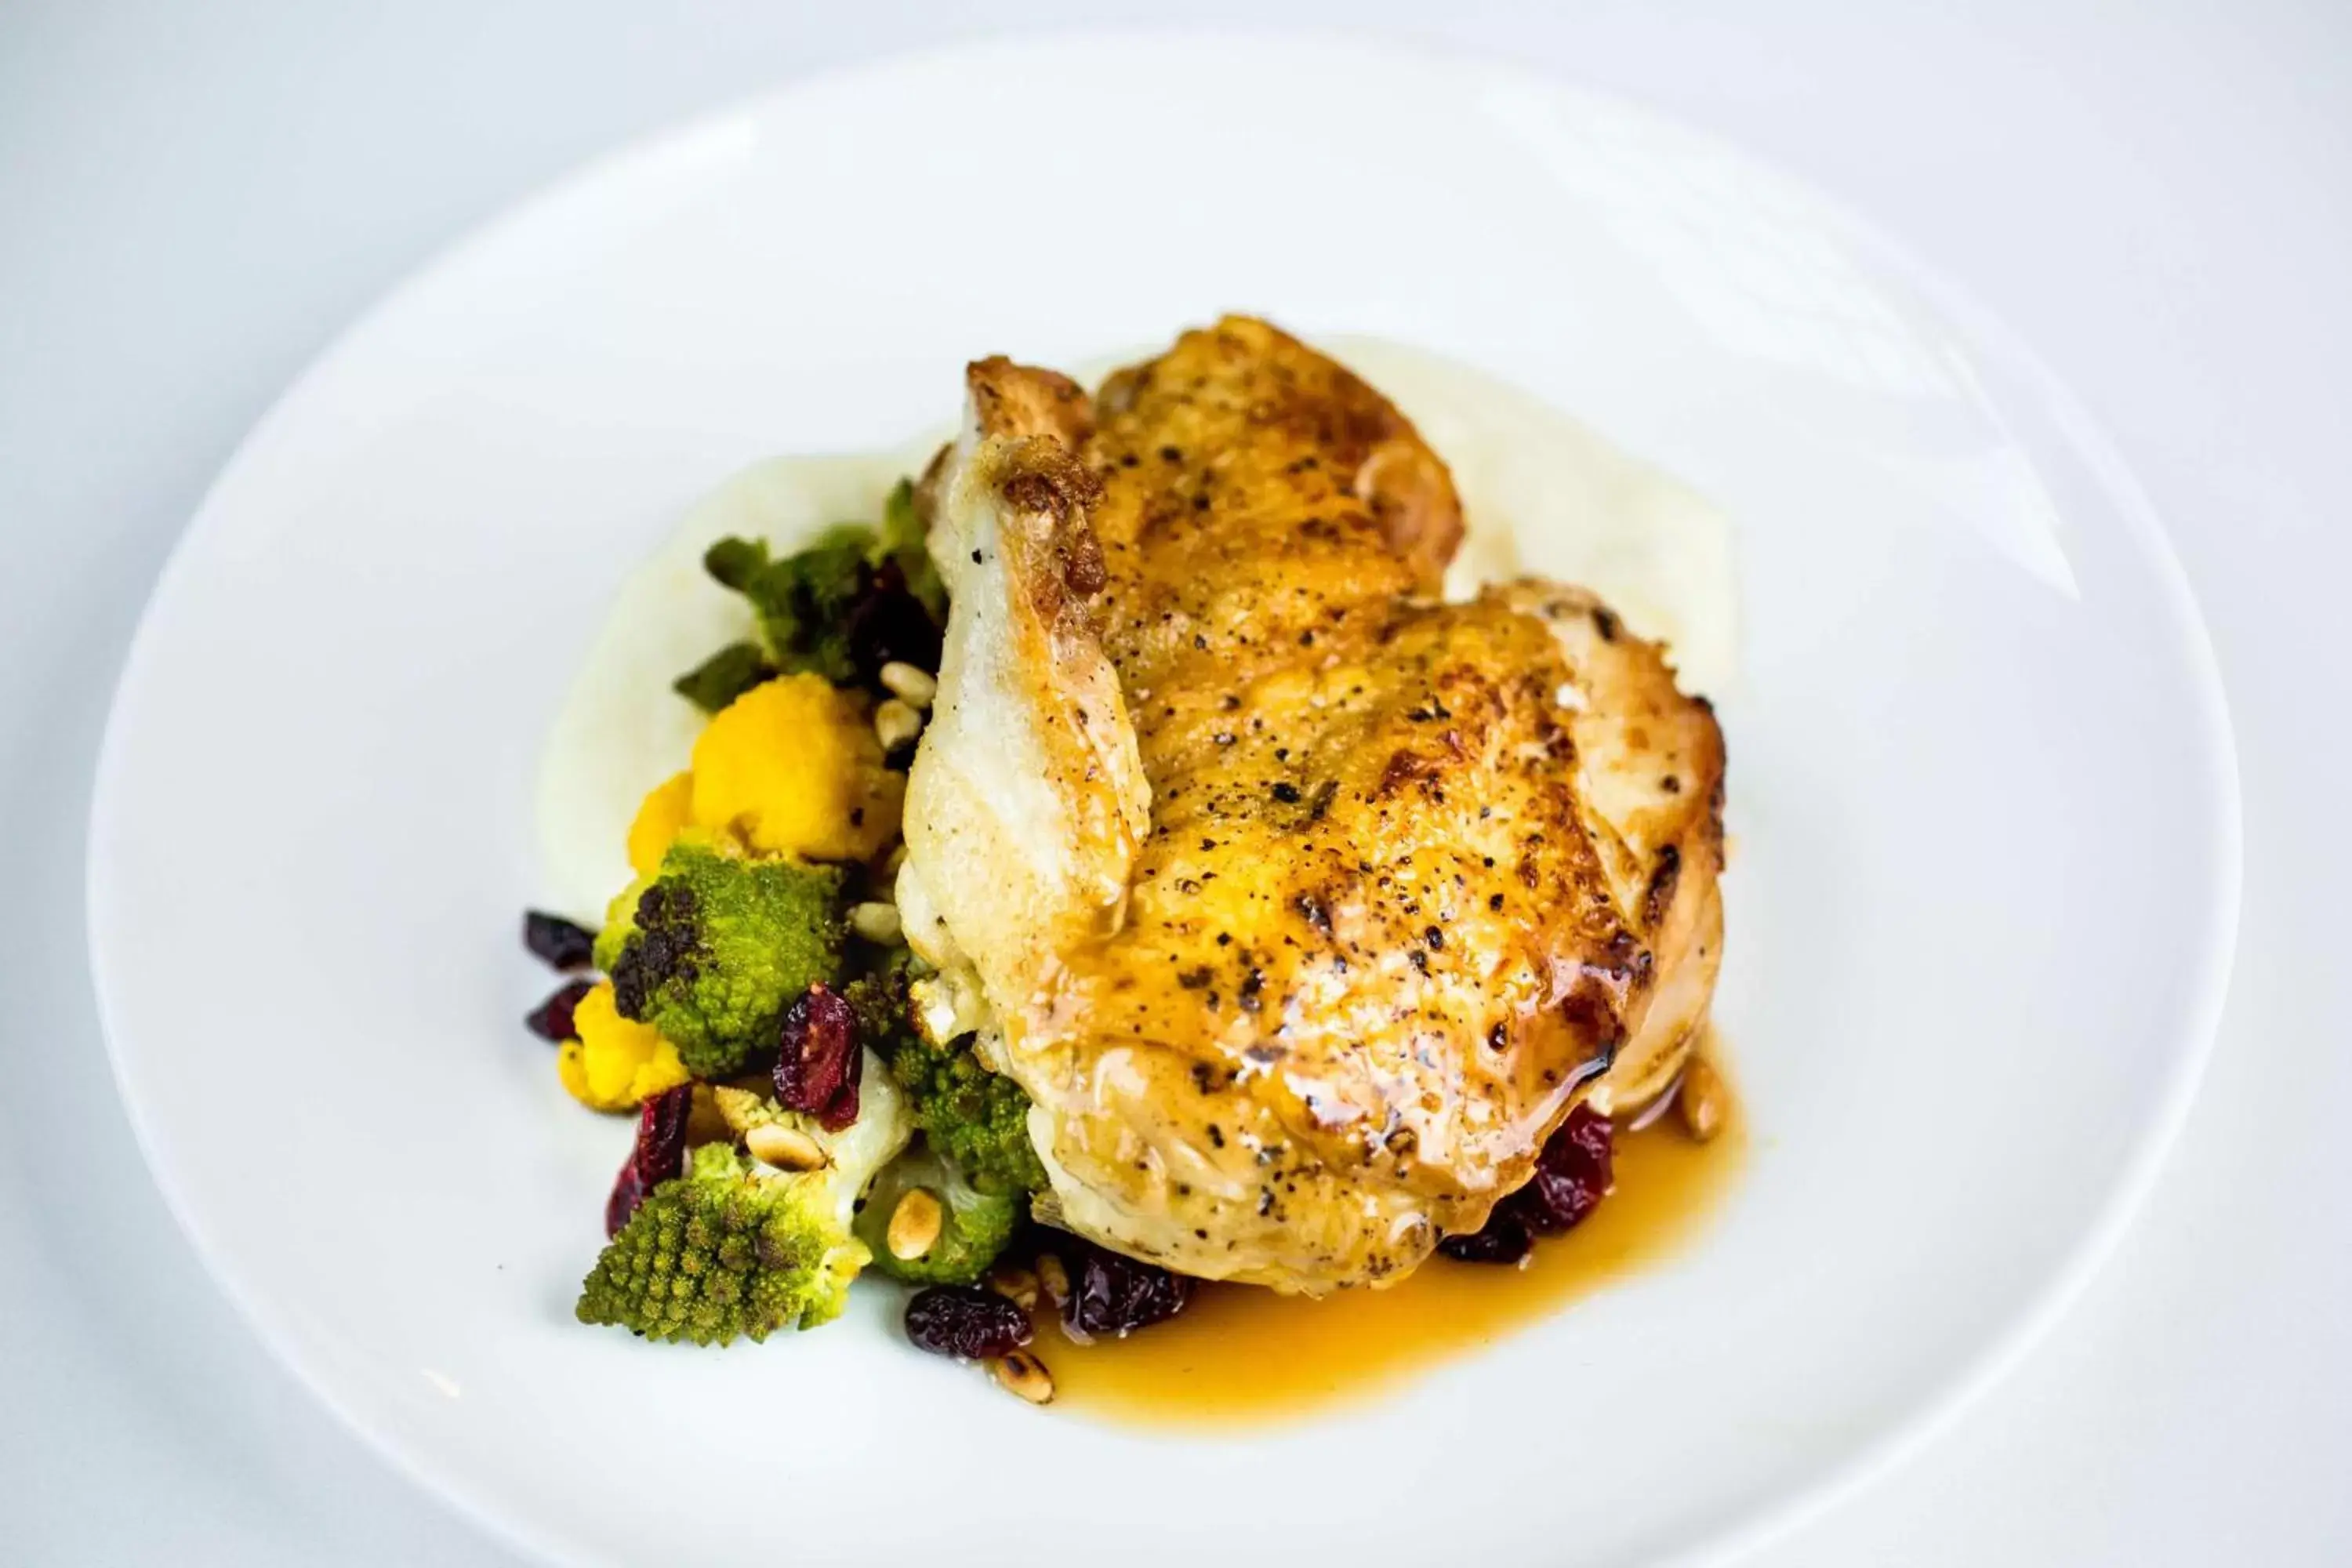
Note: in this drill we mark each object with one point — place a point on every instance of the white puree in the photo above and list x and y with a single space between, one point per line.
622 730
1544 496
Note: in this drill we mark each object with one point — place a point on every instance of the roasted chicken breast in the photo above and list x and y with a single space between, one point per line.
1303 903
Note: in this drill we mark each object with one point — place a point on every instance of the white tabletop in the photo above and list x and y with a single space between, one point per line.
2158 194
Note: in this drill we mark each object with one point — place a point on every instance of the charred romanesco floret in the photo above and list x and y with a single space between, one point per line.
736 1247
977 1119
714 949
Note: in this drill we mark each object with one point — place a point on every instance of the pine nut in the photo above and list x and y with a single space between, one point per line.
1025 1375
877 922
1704 1099
1018 1286
1053 1278
915 1224
896 723
908 681
786 1148
947 1005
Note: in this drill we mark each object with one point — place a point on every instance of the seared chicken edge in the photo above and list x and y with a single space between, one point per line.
1027 784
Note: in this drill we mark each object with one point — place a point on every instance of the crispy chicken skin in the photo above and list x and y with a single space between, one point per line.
1034 799
1305 903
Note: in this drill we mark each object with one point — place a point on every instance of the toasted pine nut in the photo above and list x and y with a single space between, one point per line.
1704 1099
1025 1375
908 681
896 723
946 1006
1017 1285
1053 1278
915 1224
876 922
786 1148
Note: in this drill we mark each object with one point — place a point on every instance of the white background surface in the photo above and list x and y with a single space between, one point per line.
2159 196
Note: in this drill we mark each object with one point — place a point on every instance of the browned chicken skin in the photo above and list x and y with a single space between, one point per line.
1333 897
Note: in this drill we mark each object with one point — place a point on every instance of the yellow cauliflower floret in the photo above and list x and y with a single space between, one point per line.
615 1062
793 767
664 812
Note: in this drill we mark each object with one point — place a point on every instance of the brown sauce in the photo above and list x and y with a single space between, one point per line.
1242 1355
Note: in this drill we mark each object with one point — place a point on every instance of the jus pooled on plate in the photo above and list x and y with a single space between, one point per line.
1214 898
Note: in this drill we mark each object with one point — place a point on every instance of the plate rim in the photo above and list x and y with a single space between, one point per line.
1870 1458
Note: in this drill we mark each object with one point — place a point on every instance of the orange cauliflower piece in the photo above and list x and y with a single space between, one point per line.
665 813
615 1062
793 767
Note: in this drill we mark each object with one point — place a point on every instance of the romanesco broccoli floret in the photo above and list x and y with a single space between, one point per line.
905 540
725 675
978 1120
725 1250
738 1248
804 601
715 946
853 601
974 1226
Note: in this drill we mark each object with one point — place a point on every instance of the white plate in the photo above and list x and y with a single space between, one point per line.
1983 794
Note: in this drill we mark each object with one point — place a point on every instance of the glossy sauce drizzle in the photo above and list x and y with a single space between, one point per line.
1242 1355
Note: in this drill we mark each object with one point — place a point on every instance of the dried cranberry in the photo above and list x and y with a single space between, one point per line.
1571 1177
659 1154
563 943
627 1193
821 1065
1503 1240
551 1019
887 623
967 1321
1114 1294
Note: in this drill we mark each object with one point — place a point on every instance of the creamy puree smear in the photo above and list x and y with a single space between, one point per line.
1544 496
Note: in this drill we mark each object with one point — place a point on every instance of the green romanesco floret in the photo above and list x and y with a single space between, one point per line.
905 540
811 604
715 946
722 1251
803 601
974 1226
737 1247
725 675
976 1119
727 1249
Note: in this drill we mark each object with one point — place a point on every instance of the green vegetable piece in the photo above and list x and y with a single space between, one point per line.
728 1249
714 949
977 1119
725 675
808 603
804 603
735 562
905 540
976 1226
